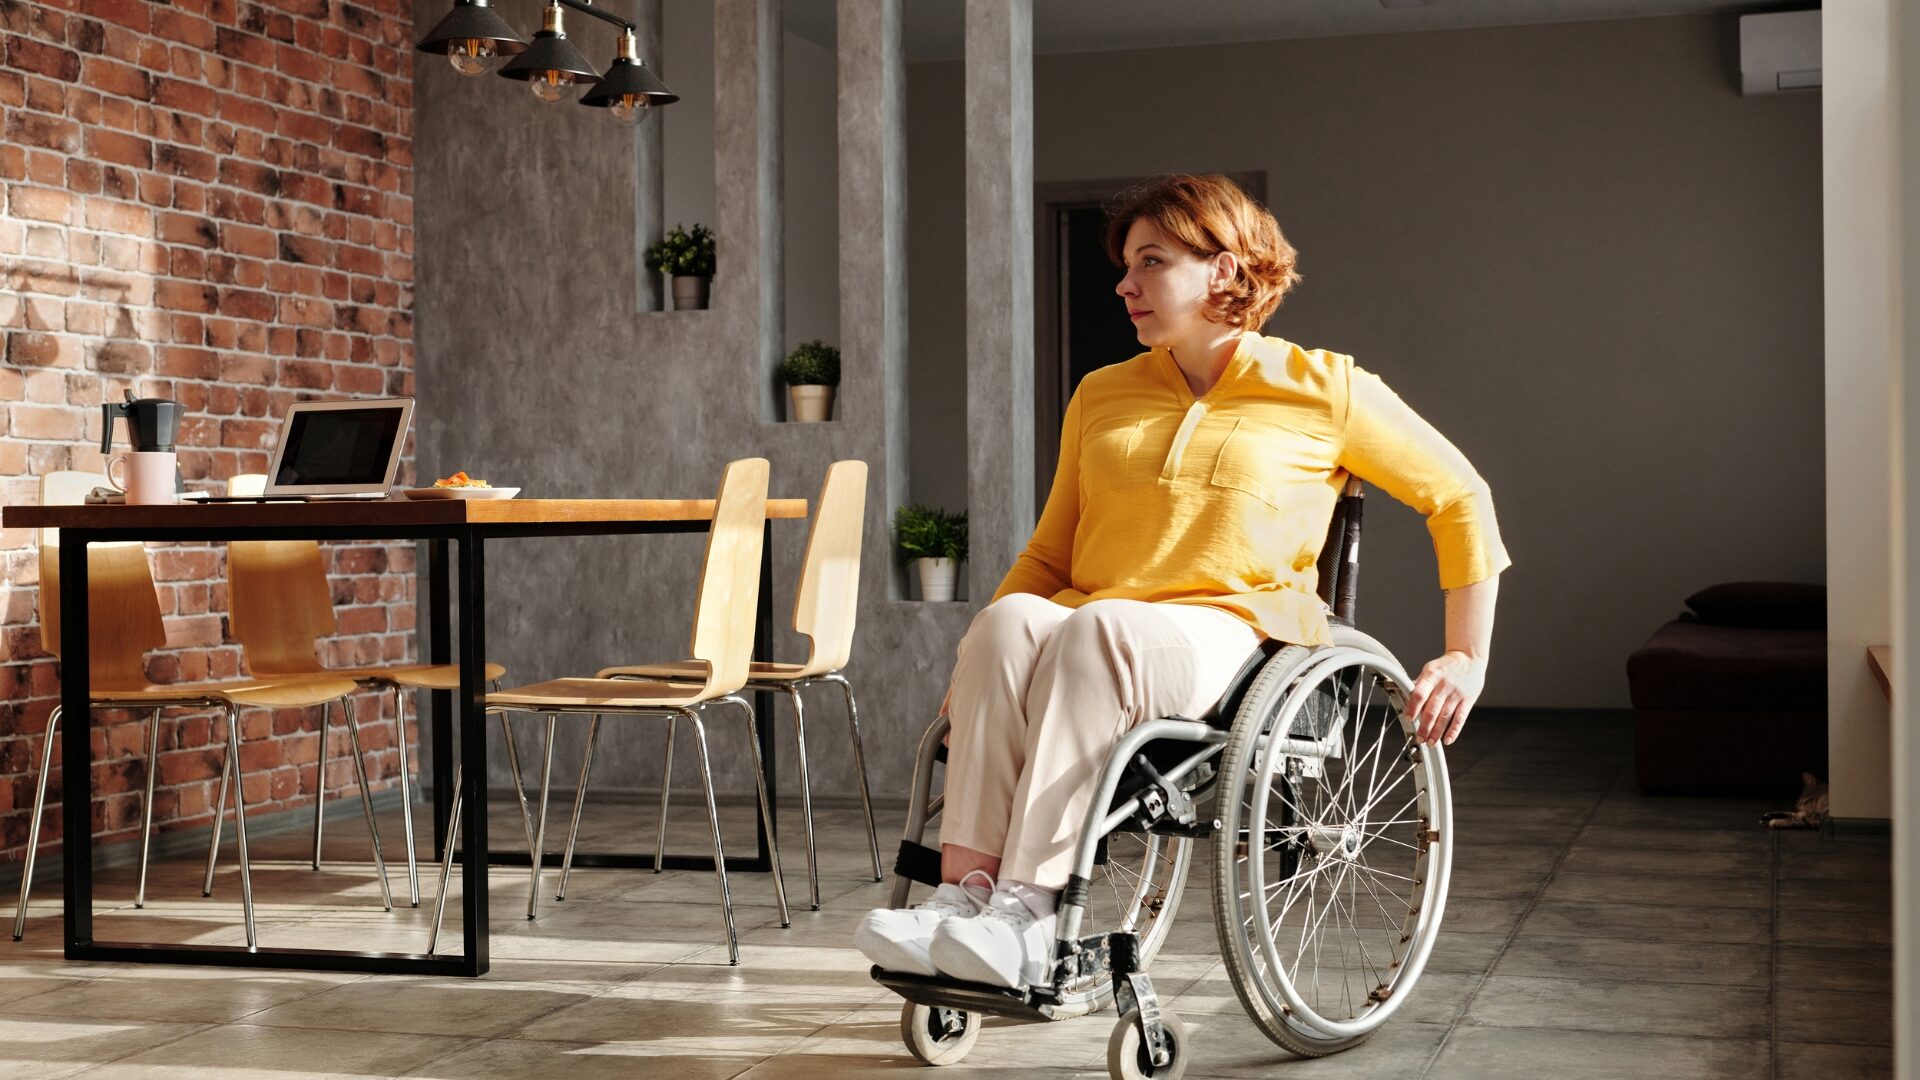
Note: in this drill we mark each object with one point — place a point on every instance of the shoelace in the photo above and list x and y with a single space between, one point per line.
976 905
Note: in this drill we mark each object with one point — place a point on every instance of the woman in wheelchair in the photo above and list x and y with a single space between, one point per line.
1195 486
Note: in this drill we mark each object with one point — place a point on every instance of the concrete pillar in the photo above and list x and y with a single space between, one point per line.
999 104
749 277
1906 565
1861 216
873 264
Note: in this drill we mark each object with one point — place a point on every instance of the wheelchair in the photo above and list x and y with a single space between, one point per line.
1331 844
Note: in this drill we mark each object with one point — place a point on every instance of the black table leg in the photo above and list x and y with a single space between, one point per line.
76 765
439 601
473 749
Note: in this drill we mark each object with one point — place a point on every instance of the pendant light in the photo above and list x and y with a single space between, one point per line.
551 67
471 37
629 91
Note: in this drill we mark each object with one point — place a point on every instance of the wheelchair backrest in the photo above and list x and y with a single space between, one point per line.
1340 555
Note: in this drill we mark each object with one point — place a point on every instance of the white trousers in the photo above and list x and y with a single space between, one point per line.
1042 692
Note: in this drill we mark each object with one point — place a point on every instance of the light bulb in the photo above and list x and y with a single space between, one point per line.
630 110
472 56
550 85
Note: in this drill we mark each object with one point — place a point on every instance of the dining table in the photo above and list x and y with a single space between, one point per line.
454 533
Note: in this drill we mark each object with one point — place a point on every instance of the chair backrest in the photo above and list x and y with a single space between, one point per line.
723 617
278 602
123 611
829 595
1340 554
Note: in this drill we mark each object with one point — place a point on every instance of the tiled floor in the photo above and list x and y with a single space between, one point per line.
1590 933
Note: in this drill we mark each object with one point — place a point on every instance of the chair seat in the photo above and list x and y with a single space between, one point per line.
417 676
696 671
591 694
291 693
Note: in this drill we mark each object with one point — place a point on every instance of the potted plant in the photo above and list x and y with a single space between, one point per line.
936 541
811 372
686 257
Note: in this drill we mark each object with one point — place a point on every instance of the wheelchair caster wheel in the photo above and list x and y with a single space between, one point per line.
938 1036
1127 1057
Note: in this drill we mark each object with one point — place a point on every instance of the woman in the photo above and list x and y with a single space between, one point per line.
1195 486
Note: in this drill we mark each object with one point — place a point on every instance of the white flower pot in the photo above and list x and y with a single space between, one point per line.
809 404
937 578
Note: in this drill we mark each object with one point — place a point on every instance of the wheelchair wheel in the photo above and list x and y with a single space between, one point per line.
938 1036
1127 1057
1335 845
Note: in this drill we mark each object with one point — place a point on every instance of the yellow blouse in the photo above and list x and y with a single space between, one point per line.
1225 501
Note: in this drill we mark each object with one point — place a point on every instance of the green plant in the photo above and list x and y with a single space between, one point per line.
928 532
681 253
811 363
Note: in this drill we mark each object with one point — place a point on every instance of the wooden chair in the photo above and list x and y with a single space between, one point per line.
723 626
123 625
280 607
824 608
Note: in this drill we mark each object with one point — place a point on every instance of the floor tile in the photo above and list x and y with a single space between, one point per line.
1832 1016
1817 1061
1736 892
178 994
1805 967
247 1051
39 1048
1492 1053
1725 1012
1636 961
1647 922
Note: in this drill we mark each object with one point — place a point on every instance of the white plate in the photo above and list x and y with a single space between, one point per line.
426 493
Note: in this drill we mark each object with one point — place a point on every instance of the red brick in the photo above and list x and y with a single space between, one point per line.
185 161
186 96
184 28
13 163
180 362
47 132
249 241
186 296
186 229
255 178
132 14
119 148
122 80
40 204
108 215
42 58
44 421
246 304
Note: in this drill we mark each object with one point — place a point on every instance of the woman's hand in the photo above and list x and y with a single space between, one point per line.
1444 694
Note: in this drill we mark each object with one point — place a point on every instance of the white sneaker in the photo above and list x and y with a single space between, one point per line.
896 939
1004 945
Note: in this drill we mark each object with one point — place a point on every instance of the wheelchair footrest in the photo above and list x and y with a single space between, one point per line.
938 991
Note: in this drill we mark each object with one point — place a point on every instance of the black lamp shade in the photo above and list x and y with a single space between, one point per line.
472 20
628 76
550 51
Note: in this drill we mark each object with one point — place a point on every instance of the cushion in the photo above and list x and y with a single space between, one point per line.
1694 665
1779 604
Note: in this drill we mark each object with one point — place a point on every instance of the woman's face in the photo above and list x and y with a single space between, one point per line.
1166 286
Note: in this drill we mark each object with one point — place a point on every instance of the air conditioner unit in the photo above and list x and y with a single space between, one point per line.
1780 52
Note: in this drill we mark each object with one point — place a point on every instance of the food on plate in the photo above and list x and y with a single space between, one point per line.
460 480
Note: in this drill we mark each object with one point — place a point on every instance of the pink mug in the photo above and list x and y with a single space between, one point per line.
148 478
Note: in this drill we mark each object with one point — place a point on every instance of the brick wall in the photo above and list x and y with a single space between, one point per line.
211 201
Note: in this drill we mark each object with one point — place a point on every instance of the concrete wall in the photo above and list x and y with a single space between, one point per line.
1575 248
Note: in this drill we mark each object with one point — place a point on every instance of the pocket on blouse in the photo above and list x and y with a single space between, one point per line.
1243 465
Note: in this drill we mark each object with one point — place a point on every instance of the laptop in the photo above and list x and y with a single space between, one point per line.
336 450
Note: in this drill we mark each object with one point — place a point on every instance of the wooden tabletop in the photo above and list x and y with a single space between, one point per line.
1880 659
396 512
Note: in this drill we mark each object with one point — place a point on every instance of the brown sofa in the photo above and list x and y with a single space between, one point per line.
1731 698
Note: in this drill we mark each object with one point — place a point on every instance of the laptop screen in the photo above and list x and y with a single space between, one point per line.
338 446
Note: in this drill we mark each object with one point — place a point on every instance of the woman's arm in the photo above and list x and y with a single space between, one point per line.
1388 444
1045 568
1446 689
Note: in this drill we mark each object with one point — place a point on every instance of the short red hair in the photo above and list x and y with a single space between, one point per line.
1209 215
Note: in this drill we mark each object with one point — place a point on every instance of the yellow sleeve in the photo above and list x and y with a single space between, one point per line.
1046 567
1388 445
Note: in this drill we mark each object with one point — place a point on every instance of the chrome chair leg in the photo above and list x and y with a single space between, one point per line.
540 827
519 791
33 825
666 786
240 820
859 766
406 792
713 823
146 806
219 818
446 863
579 800
320 790
366 801
806 793
766 806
